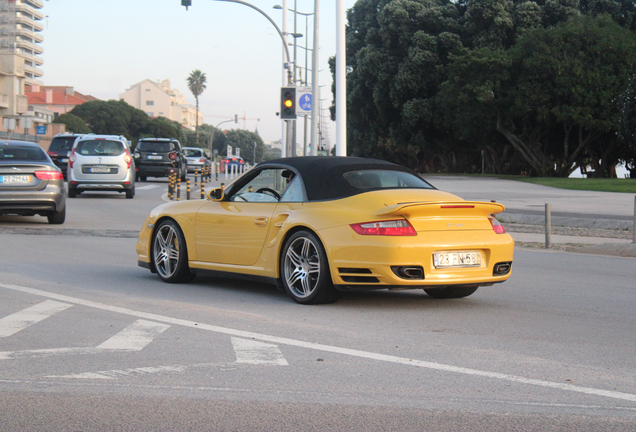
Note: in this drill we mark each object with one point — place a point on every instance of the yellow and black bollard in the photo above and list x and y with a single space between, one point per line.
170 187
178 188
196 172
216 170
188 190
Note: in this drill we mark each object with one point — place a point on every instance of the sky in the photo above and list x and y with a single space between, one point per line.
103 47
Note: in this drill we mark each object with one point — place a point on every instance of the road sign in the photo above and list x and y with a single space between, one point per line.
41 130
303 104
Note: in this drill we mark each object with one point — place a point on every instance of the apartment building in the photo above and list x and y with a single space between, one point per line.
20 27
157 99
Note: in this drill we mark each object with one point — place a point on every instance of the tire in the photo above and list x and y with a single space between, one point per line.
72 193
57 218
451 292
142 178
184 173
169 253
130 193
304 270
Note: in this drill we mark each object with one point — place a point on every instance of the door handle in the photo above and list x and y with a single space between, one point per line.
262 222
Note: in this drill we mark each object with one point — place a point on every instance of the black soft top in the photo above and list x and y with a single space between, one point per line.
322 175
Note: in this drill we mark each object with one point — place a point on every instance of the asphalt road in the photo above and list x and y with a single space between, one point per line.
110 347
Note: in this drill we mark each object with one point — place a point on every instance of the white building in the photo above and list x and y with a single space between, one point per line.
157 99
20 29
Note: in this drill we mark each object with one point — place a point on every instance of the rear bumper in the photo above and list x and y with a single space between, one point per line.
368 262
156 170
50 199
80 185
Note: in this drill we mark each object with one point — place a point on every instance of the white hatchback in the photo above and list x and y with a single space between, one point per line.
101 163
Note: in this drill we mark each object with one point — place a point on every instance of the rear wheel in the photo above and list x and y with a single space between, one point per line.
451 292
169 253
130 193
57 217
142 178
183 174
304 270
72 192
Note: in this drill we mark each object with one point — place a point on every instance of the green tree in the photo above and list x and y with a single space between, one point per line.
73 123
196 84
245 140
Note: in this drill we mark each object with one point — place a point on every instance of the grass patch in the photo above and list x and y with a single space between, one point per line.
589 184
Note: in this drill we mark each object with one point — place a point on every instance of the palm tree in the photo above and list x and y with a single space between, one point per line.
196 84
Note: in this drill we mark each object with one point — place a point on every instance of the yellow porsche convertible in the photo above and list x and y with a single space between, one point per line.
318 226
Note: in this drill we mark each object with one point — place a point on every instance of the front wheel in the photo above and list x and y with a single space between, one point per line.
304 270
451 292
169 253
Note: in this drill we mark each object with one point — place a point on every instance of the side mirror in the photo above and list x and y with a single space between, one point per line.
216 194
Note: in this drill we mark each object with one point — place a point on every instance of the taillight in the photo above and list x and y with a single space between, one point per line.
172 156
202 160
400 227
127 158
72 158
497 226
51 153
49 175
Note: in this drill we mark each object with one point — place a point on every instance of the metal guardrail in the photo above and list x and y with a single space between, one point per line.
19 136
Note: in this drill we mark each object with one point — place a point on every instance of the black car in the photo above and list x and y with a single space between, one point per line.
160 157
30 183
60 149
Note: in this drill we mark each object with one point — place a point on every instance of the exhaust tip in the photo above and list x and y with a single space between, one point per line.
502 268
408 272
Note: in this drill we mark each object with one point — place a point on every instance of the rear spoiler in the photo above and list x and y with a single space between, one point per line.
449 208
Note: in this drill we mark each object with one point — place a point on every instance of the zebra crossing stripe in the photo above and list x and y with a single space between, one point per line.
12 324
253 352
134 337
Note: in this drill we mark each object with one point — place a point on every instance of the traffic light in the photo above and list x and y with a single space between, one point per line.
288 103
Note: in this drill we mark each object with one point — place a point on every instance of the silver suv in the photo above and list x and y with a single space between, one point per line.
101 163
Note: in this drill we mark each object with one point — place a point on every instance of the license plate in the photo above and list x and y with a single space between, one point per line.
154 157
100 170
16 179
457 259
64 160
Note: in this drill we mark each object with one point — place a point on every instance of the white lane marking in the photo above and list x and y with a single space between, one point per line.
253 352
20 320
50 352
134 337
116 373
328 348
146 187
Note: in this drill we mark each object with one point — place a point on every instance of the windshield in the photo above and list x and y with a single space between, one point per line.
384 179
155 146
62 144
193 152
9 153
99 148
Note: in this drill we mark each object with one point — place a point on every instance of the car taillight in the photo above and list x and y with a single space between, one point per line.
202 160
49 175
400 227
172 156
51 153
72 158
497 226
127 158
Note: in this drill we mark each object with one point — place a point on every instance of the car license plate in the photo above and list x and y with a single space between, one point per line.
154 157
100 170
457 259
64 160
16 179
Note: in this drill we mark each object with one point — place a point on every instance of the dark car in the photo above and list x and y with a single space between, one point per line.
160 157
30 183
60 149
